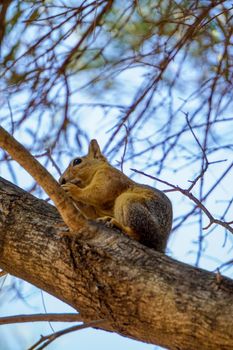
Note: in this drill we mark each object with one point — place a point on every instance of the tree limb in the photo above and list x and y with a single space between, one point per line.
64 204
142 293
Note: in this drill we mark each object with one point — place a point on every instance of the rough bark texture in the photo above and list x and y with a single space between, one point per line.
141 293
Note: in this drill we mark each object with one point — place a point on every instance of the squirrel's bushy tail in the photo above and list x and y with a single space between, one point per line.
150 219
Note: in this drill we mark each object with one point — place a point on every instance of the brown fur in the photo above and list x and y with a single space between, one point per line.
105 193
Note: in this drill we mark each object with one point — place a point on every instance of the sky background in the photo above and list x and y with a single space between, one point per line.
18 297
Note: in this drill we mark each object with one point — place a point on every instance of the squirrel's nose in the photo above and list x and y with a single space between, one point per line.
62 180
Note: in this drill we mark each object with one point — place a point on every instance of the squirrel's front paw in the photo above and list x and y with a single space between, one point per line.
107 220
71 189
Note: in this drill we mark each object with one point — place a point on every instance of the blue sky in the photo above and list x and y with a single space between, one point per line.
182 244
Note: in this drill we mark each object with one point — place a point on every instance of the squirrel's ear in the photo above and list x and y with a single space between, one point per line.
94 150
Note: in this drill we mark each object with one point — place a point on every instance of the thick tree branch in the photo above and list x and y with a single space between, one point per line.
141 293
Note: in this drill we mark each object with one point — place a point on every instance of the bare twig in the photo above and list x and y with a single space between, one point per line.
41 318
198 203
125 147
3 273
48 339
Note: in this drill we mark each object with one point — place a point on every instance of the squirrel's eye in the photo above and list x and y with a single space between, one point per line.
77 161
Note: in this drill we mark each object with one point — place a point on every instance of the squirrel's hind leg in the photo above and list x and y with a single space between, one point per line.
112 222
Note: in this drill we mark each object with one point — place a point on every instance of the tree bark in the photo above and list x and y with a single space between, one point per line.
141 293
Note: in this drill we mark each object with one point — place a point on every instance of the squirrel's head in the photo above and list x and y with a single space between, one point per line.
81 169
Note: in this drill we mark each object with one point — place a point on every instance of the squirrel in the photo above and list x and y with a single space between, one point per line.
103 192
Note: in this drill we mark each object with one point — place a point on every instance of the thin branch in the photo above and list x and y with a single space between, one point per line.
45 309
11 116
3 273
48 153
41 318
89 30
204 168
125 147
198 203
48 339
